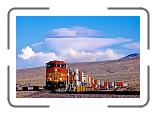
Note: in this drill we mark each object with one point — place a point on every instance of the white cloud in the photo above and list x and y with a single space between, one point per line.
72 55
110 54
83 43
72 50
74 31
69 55
27 53
74 44
133 45
37 44
63 32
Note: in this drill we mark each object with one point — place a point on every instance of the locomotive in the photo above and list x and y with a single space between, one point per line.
61 77
56 75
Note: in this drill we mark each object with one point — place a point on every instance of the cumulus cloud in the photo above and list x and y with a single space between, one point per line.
28 55
68 55
74 31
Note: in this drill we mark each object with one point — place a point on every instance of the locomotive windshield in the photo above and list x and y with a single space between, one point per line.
51 66
61 66
56 65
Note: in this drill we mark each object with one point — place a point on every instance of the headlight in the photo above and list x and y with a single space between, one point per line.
55 70
60 78
50 79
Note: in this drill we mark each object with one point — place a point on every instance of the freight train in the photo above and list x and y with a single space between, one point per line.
61 77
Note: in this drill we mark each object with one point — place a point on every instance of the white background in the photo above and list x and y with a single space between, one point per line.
63 7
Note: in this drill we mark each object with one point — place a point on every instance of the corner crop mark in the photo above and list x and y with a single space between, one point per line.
19 106
8 47
148 19
8 19
148 95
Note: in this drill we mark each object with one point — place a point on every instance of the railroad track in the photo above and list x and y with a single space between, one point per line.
47 94
42 89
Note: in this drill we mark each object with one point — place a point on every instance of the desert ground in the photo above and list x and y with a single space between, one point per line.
127 69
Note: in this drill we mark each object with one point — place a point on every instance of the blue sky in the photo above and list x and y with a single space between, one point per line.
75 38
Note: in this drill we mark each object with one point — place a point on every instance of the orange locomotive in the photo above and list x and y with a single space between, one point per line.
56 75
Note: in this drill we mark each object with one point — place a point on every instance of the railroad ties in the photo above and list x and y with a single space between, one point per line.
41 88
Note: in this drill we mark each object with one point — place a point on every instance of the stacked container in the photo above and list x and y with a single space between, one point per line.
84 78
81 76
68 76
77 81
105 85
76 74
71 80
88 88
71 73
78 88
119 84
93 82
89 81
101 83
125 84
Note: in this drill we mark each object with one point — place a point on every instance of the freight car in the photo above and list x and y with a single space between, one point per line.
61 77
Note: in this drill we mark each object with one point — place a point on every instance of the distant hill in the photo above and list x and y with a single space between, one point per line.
130 56
122 69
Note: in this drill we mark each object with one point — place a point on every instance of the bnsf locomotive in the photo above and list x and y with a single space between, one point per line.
60 77
56 75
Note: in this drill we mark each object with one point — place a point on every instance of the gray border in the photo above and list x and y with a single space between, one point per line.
109 8
8 67
148 67
137 106
19 8
148 19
